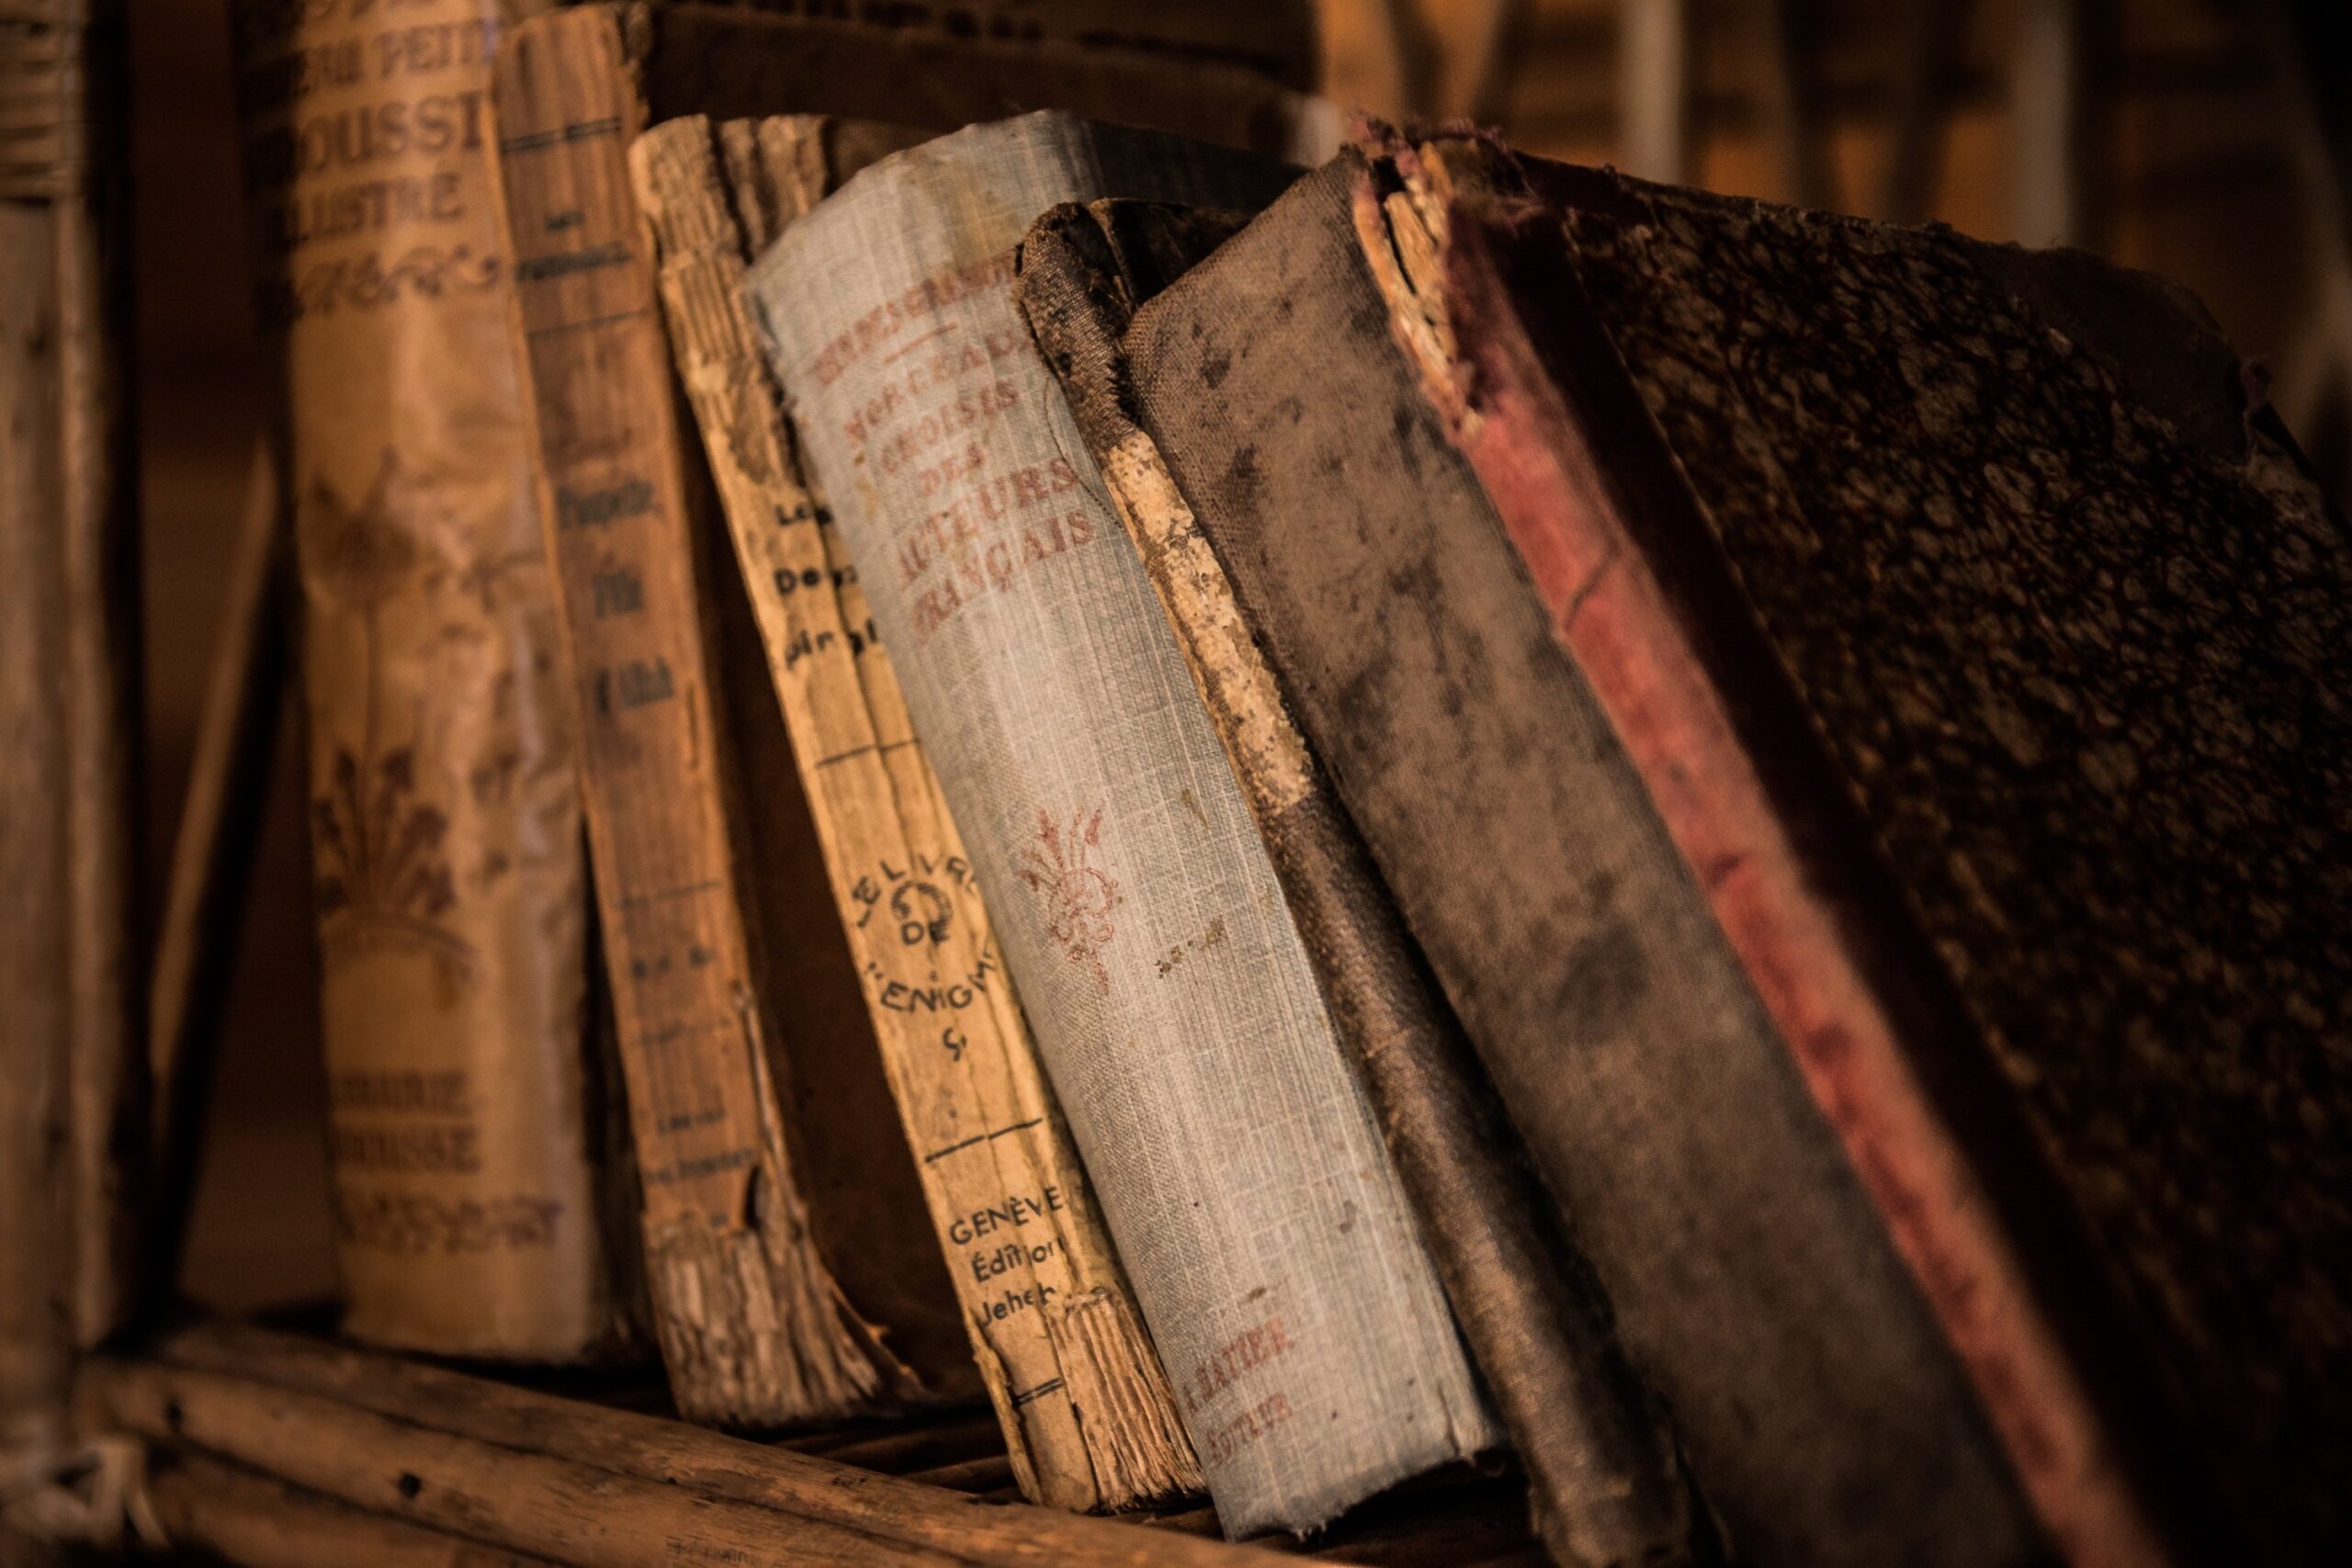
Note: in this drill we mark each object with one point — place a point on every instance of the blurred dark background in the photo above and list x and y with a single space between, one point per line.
2203 138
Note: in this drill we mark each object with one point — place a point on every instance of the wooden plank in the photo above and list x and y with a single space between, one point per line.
2047 114
689 1460
99 650
1931 38
1481 56
1793 106
1655 51
510 1497
72 715
35 1020
256 1521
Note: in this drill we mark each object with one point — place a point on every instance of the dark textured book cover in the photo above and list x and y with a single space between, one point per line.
1980 643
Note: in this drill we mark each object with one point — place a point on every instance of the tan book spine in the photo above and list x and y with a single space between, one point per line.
1087 1412
443 816
754 1324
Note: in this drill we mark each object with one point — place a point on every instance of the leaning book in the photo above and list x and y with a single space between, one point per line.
1089 1418
1235 1156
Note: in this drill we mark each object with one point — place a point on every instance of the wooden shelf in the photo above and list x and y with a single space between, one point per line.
280 1449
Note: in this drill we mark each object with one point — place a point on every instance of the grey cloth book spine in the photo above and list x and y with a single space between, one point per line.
1237 1161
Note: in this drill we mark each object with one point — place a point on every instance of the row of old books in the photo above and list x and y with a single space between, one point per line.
1703 842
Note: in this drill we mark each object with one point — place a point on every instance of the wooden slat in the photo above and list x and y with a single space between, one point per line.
219 829
510 1497
256 1521
34 1016
1931 37
1792 89
100 652
253 1375
1655 94
2047 117
913 1447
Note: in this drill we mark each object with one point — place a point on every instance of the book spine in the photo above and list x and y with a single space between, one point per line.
444 820
1602 1466
754 1327
1237 1164
1052 1321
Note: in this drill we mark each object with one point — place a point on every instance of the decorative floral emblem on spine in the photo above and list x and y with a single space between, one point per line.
383 875
1079 896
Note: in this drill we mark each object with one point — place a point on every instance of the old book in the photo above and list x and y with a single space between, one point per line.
443 816
1979 639
1089 1419
851 1228
1607 1484
844 1236
1749 1278
785 1288
1237 1164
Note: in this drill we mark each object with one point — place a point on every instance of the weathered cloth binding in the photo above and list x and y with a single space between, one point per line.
1239 1165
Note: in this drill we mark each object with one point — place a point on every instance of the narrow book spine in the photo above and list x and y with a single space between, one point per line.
1087 1412
444 818
1238 1166
754 1328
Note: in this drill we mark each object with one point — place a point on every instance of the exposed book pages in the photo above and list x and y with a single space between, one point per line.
1236 1161
1748 1279
1089 1418
444 814
1983 641
761 1252
1606 1481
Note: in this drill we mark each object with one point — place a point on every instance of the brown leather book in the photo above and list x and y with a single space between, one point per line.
1978 638
1846 713
793 1270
